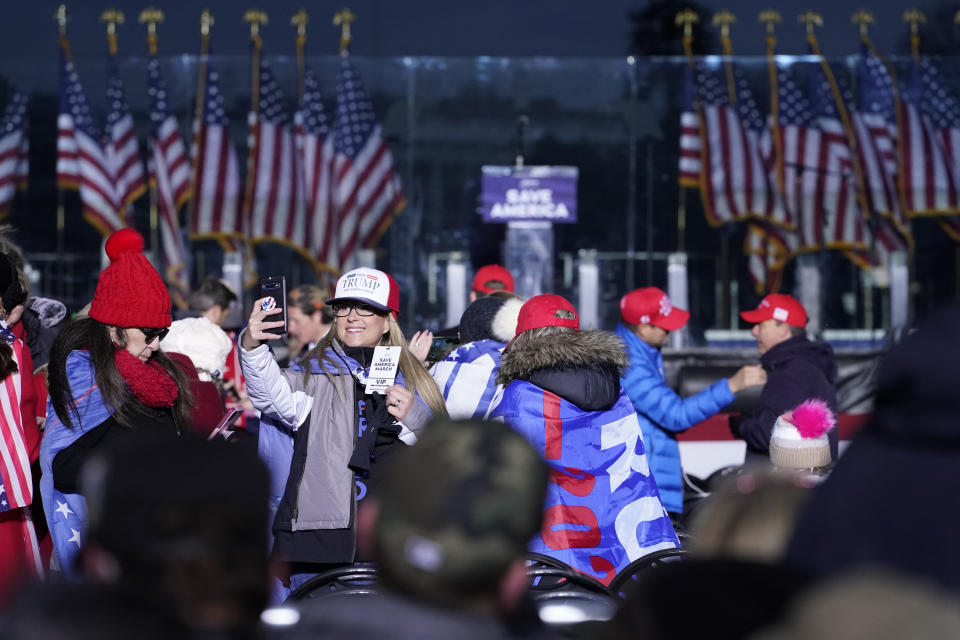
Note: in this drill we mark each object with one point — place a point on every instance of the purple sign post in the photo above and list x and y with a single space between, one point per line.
521 194
529 200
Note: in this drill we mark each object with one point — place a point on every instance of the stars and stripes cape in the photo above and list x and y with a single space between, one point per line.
602 509
67 513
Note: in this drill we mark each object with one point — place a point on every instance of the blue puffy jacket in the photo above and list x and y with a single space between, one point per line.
663 414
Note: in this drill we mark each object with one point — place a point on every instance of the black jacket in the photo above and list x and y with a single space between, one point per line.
797 370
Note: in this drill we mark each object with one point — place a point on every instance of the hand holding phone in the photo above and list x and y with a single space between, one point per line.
225 428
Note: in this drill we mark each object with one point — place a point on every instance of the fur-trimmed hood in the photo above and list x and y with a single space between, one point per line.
582 367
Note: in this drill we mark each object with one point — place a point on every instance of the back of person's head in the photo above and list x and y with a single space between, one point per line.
750 516
211 292
187 518
456 511
310 298
490 278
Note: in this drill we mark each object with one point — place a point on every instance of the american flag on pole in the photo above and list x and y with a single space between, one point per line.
735 177
874 123
81 161
216 174
689 169
123 153
14 151
274 202
366 191
930 147
315 148
170 176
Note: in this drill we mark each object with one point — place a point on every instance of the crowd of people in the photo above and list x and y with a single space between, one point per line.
446 464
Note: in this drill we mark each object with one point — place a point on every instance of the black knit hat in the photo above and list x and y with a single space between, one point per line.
11 291
476 323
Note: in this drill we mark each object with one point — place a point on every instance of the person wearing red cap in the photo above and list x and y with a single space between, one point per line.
797 370
562 392
109 385
326 437
648 317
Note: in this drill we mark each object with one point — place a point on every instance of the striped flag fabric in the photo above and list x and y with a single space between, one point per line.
367 193
875 126
170 177
930 147
216 175
274 201
735 177
14 151
689 170
122 150
316 152
81 160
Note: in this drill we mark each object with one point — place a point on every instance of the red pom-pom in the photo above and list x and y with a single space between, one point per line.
123 241
813 418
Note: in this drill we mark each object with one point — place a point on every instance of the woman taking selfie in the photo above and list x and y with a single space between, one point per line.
324 437
109 385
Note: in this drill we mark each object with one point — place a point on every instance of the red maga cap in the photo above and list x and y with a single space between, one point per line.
547 310
492 273
778 306
651 305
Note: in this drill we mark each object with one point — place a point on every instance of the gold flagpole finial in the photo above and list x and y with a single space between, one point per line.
300 20
206 21
914 17
686 19
771 18
811 19
62 16
112 17
724 19
151 16
343 19
255 18
864 18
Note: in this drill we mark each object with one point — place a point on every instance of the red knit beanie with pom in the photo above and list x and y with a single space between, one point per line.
130 292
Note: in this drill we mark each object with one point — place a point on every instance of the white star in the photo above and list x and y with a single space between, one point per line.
75 537
3 503
63 508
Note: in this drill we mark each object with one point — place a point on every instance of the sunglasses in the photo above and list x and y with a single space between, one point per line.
363 310
152 334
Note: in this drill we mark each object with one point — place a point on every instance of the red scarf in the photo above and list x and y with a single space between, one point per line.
148 381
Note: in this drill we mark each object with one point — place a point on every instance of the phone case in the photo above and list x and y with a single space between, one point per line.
276 288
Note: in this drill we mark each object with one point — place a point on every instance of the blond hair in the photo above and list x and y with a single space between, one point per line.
415 376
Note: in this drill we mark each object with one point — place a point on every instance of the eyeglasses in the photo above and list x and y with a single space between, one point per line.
363 310
152 334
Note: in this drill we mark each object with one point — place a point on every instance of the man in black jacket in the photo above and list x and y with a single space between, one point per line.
797 370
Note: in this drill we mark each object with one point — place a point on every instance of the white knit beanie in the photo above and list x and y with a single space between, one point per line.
203 342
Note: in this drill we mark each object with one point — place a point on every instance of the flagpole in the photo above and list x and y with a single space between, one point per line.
299 20
151 16
915 18
686 18
62 17
206 21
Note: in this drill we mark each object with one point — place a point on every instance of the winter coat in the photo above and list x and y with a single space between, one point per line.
467 377
312 488
602 509
797 370
663 414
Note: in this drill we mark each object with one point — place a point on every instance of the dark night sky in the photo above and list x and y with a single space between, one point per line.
572 28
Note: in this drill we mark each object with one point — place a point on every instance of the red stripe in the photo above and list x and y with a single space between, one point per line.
272 198
553 426
818 203
217 222
747 162
293 218
727 165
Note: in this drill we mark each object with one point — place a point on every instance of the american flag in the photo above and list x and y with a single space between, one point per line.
123 153
689 169
366 191
14 151
170 175
81 161
315 146
874 124
216 175
274 201
930 149
735 179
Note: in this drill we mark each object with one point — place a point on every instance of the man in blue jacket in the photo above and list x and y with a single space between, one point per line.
648 318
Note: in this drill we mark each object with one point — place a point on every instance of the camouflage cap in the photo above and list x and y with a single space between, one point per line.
458 508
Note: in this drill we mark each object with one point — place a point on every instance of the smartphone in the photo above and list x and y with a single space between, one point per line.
225 427
275 287
440 347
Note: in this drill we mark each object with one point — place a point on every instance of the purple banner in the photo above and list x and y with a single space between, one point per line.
514 194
